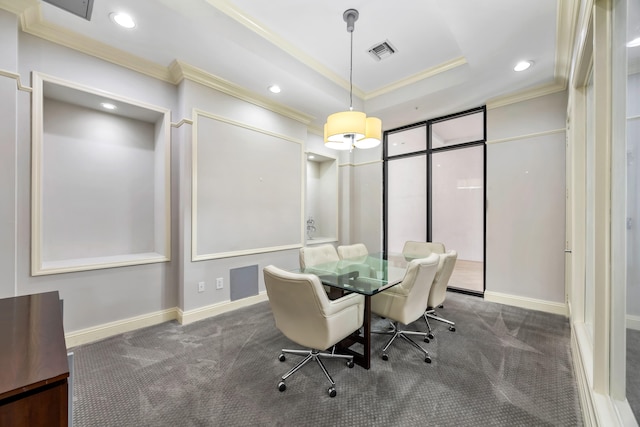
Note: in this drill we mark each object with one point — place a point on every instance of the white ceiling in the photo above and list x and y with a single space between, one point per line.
451 55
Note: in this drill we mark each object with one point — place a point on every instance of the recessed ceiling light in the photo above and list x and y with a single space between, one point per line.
123 19
634 43
274 89
108 106
522 65
311 156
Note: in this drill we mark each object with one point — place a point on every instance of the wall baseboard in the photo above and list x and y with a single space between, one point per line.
530 303
633 322
107 330
85 336
186 317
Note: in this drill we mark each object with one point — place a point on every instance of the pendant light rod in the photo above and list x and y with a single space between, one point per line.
350 16
348 129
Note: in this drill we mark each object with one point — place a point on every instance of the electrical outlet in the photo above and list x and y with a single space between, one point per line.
200 286
219 283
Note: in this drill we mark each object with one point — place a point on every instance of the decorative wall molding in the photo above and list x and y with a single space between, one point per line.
352 164
527 136
16 77
190 316
182 122
529 303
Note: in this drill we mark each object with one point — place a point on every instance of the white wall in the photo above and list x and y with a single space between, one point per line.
8 146
526 199
96 297
193 95
633 198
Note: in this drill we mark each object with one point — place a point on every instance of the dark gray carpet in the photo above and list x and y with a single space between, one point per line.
504 366
633 367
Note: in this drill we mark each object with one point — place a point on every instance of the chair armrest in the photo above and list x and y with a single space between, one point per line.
342 303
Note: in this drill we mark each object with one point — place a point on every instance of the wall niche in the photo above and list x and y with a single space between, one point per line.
100 179
321 221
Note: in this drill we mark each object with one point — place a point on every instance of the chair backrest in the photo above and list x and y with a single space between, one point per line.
422 249
407 301
303 312
352 251
439 288
314 255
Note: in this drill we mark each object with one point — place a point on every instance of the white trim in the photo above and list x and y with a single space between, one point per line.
190 316
162 142
106 330
582 380
85 336
180 71
526 95
16 77
633 322
372 162
195 256
527 136
425 74
529 303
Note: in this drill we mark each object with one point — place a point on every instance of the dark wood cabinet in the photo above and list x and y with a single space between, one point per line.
33 362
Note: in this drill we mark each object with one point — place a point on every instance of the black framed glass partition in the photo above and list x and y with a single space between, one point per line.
435 190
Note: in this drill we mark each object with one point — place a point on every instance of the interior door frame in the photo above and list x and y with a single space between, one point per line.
429 180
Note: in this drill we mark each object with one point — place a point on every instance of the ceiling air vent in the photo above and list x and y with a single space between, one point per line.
382 50
82 8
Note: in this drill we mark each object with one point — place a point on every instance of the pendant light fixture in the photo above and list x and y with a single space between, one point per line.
348 129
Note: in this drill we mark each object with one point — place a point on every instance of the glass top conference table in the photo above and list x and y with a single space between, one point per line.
366 275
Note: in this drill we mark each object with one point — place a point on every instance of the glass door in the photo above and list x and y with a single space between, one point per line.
457 212
435 191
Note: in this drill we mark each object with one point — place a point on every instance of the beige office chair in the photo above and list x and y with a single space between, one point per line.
352 251
438 292
406 302
422 249
319 254
305 315
314 255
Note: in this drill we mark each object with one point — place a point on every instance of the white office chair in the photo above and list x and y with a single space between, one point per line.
438 292
314 255
352 251
422 249
319 254
406 302
305 315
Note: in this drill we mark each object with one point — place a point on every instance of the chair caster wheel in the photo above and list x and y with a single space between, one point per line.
452 328
350 364
332 392
385 356
427 359
281 357
282 386
430 336
426 339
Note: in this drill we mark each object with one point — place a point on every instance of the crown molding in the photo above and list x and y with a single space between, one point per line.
566 25
32 23
180 71
257 27
430 72
17 7
525 95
